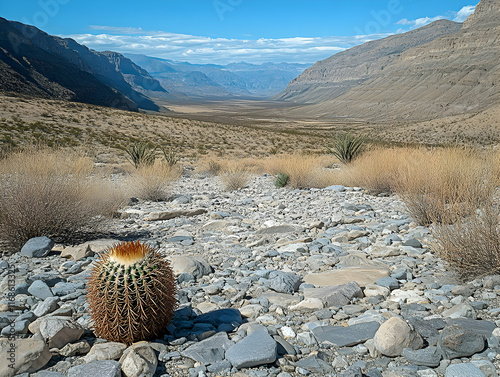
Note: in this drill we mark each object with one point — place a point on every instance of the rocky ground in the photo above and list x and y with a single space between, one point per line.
272 282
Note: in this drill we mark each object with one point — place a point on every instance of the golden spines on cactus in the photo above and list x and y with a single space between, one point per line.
131 293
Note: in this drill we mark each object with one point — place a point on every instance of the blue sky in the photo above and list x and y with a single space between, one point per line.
224 31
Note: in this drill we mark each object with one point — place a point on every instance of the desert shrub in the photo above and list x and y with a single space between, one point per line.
170 156
214 167
281 180
234 177
442 183
346 147
153 181
141 154
471 244
52 193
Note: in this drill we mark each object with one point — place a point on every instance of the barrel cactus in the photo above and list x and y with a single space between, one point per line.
131 293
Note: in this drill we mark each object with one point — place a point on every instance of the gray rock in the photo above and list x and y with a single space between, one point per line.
167 215
17 328
209 351
462 310
37 247
479 326
30 355
455 341
284 348
335 295
256 349
46 306
316 365
59 331
338 188
352 371
388 282
278 229
283 282
106 368
195 266
413 242
346 336
464 370
394 335
40 289
139 360
47 373
63 289
429 356
427 329
220 367
105 351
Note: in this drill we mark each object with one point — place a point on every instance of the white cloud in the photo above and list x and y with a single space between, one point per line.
459 16
217 50
463 13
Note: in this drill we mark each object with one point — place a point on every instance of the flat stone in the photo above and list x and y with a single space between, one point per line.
374 290
209 351
413 242
308 304
281 299
462 310
30 355
279 229
40 289
48 373
429 357
59 331
388 282
256 349
478 326
37 247
139 360
455 341
283 282
394 335
346 336
216 225
315 365
105 368
335 295
167 215
181 239
105 351
195 266
77 253
361 275
463 370
338 188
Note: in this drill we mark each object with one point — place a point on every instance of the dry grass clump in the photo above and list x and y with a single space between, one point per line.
52 193
234 176
152 182
304 171
471 244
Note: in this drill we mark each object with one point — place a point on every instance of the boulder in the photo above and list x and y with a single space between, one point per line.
394 335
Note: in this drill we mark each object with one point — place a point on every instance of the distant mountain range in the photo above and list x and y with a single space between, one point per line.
442 69
210 80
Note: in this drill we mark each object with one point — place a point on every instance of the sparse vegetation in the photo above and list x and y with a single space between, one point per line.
281 180
141 154
346 147
234 177
153 181
52 193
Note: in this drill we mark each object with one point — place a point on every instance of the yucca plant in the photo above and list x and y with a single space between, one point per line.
346 147
131 293
281 180
141 154
170 156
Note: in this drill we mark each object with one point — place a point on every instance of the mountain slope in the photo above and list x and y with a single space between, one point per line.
81 71
28 69
455 73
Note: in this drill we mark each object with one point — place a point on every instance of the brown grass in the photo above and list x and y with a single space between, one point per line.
52 193
152 182
234 176
471 244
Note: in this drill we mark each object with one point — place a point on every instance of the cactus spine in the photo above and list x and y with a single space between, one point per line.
131 293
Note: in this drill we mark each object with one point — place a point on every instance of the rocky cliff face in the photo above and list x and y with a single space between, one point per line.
455 72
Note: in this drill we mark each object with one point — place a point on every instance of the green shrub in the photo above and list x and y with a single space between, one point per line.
281 180
141 154
170 156
346 147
